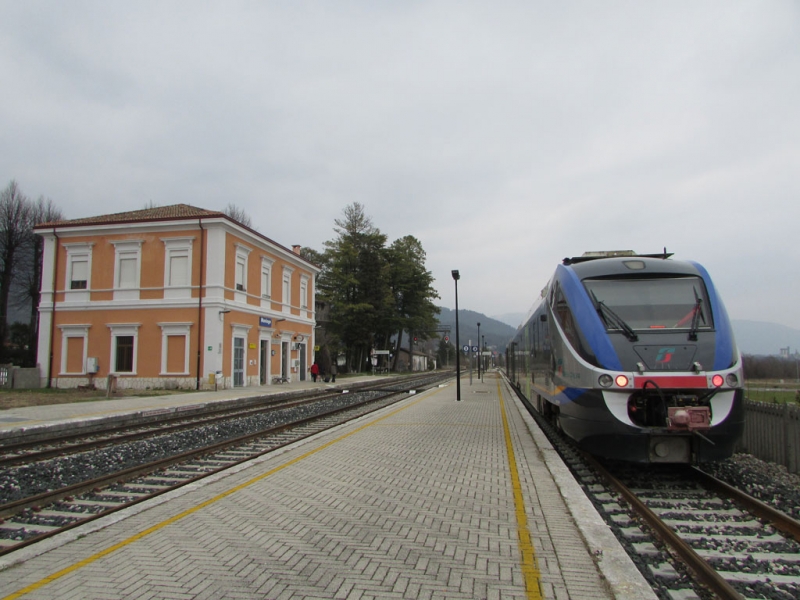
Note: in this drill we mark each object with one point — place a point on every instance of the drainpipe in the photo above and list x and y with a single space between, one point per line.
200 299
53 314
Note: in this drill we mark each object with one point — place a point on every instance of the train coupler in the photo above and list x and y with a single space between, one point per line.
688 418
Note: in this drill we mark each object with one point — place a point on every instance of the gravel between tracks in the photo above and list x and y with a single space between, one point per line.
770 483
17 483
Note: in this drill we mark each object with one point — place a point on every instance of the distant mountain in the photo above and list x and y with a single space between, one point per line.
494 332
762 338
512 319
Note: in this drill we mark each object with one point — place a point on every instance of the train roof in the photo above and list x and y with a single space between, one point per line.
597 255
630 264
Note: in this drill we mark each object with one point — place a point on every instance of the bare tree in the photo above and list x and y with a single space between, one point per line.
15 227
29 278
239 215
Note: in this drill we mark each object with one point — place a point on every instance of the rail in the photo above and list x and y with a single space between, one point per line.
217 453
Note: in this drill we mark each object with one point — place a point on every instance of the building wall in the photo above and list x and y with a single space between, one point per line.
171 326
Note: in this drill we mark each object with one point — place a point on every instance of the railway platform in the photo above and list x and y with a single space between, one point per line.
431 497
17 422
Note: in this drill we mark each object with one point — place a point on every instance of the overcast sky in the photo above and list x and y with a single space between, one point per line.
504 135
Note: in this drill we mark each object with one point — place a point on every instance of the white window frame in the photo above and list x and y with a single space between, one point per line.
74 331
177 248
286 297
78 252
304 279
240 269
122 330
266 278
127 250
175 330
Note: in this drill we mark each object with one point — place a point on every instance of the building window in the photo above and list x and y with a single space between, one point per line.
124 354
79 266
74 346
266 278
304 292
124 345
177 267
241 267
175 348
127 269
80 274
287 289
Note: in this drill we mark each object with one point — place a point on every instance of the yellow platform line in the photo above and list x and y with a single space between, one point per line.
110 550
529 563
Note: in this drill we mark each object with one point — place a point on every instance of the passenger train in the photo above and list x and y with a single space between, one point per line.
633 357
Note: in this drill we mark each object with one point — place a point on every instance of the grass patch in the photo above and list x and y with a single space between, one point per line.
773 391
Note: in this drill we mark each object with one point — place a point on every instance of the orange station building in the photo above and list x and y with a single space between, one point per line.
174 296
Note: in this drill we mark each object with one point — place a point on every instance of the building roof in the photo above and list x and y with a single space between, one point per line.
158 213
174 212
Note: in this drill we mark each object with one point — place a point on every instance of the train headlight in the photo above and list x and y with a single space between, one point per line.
621 381
717 380
605 380
732 380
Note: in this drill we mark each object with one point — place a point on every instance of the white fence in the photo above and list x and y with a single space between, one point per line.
772 433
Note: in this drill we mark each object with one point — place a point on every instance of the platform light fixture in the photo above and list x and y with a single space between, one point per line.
483 348
479 348
456 277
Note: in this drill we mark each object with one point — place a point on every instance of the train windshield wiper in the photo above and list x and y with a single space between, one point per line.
612 319
698 314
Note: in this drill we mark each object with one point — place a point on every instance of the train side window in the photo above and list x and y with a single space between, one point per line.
564 316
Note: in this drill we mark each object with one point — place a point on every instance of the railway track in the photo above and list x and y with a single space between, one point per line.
28 452
733 545
691 535
32 517
45 444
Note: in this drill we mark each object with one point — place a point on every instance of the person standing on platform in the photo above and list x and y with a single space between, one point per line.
333 372
314 371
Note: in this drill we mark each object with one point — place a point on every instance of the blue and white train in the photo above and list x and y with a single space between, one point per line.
633 357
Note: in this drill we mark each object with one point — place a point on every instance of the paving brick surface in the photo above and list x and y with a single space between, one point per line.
416 502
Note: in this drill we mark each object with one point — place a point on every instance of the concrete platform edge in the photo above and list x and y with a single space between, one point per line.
622 575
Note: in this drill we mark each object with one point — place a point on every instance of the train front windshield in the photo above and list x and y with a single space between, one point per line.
651 304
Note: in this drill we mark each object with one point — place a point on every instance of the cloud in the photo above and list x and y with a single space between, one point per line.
504 137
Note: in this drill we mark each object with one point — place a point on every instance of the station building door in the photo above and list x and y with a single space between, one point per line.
301 350
263 360
238 362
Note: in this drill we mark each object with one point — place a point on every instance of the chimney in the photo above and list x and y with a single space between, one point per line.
296 249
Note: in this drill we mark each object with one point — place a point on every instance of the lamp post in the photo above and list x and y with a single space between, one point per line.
456 277
483 348
479 350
